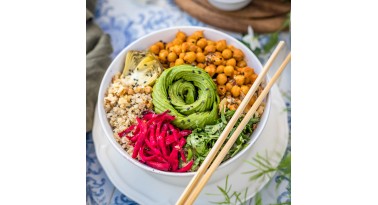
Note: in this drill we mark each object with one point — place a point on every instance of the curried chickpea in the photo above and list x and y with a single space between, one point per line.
190 57
223 62
163 55
160 44
210 69
177 41
181 35
221 79
248 72
252 101
192 48
247 80
221 90
155 49
235 91
191 40
231 47
219 54
147 89
238 54
184 47
221 45
218 60
253 77
233 107
229 70
239 79
228 86
198 34
202 43
227 53
170 49
177 49
242 64
240 70
244 89
210 42
179 61
209 49
182 55
220 69
200 57
201 65
168 45
172 57
231 62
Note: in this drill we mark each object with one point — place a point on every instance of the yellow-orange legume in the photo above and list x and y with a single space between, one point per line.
235 91
229 70
172 57
220 69
221 79
155 49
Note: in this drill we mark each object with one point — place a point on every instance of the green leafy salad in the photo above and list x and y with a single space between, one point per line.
201 140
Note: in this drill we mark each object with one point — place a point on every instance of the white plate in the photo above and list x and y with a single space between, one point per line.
145 189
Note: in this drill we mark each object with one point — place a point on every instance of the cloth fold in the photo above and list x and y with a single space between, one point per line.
98 52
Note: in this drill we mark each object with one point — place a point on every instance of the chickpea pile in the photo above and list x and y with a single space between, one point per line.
224 63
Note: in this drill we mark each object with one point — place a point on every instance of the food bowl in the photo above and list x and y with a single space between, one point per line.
181 179
229 5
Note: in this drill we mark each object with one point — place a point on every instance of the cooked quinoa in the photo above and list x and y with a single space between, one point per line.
123 104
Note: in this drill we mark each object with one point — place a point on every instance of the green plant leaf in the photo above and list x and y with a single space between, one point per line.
258 200
271 43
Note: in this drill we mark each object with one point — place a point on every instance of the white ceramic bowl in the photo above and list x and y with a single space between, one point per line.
229 5
168 35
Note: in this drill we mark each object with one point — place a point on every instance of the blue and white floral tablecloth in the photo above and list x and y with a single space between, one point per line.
126 21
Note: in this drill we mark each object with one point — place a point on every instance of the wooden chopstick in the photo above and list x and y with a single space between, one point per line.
194 194
209 158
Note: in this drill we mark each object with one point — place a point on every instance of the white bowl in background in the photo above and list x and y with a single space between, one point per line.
229 5
168 35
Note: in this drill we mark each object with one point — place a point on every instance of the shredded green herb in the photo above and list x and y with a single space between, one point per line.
201 140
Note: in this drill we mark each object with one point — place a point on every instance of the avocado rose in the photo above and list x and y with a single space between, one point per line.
190 95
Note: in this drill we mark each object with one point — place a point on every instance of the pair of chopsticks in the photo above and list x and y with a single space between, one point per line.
198 182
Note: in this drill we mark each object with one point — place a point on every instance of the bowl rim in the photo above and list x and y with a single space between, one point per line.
104 121
230 1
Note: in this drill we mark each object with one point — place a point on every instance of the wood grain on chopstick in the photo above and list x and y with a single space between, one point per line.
214 150
196 191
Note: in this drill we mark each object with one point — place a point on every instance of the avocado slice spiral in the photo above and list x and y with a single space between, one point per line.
189 93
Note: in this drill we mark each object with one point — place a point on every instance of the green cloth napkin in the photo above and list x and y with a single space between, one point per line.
98 59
